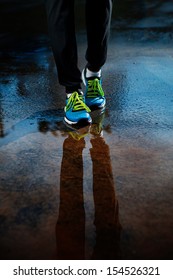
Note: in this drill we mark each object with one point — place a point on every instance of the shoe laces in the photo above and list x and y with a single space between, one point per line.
94 88
76 102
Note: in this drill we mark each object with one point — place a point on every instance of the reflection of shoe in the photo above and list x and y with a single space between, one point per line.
96 128
80 133
94 95
76 112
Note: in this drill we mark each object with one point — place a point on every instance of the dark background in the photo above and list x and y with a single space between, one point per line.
23 20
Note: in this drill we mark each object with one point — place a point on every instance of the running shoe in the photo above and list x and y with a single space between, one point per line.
94 94
76 111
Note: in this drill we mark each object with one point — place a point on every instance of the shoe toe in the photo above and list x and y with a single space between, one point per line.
78 117
95 103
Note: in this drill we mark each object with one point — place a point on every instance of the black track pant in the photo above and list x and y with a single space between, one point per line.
61 25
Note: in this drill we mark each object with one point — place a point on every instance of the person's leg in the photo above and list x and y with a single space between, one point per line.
61 24
98 19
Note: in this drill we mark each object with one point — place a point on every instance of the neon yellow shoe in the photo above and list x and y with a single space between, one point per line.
94 94
76 111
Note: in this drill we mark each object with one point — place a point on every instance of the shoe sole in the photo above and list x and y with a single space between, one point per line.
80 123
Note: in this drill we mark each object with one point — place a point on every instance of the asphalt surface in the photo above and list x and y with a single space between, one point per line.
103 192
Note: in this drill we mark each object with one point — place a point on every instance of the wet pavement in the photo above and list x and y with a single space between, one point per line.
103 192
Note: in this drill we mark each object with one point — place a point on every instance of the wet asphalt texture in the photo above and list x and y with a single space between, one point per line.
101 192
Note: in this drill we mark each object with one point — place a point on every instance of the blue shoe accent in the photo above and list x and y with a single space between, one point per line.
94 94
76 111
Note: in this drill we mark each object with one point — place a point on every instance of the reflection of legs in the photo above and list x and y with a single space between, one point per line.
106 204
70 231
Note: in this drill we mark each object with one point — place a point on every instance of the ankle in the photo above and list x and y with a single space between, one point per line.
91 74
69 93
